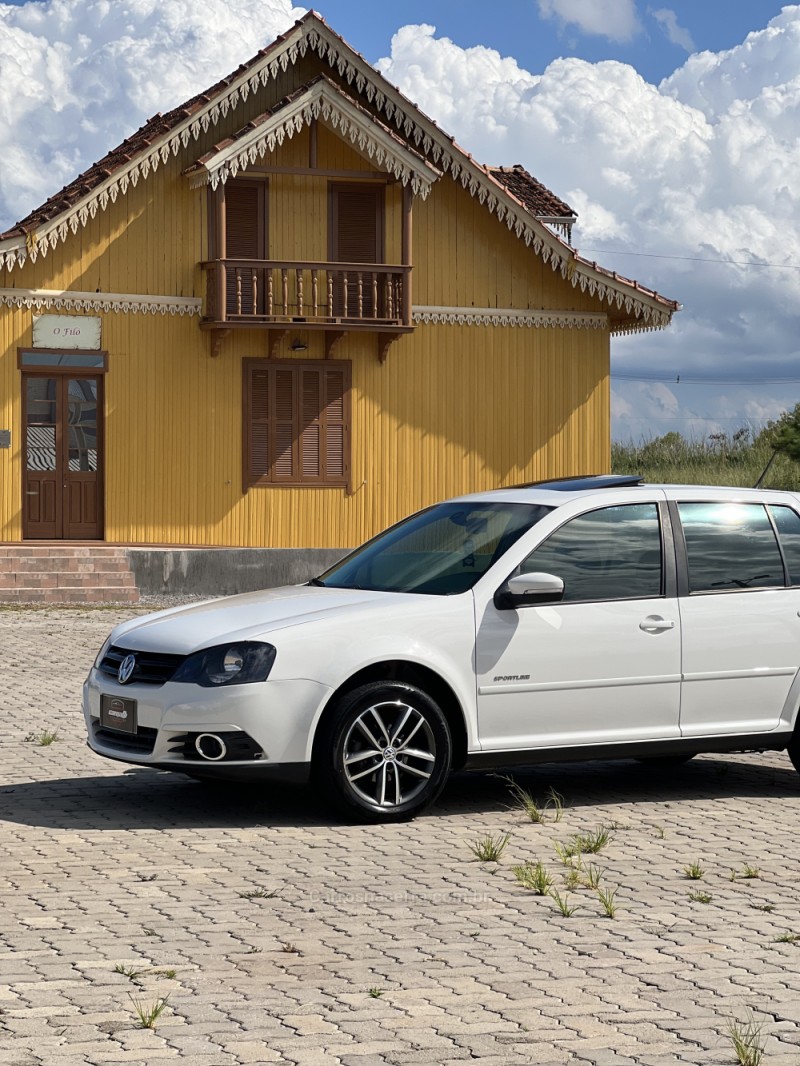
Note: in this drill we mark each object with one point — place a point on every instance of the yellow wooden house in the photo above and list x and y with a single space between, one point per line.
290 312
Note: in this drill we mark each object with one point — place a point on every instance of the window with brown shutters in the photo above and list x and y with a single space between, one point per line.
355 236
245 239
296 422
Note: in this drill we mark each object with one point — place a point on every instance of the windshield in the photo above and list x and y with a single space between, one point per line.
440 552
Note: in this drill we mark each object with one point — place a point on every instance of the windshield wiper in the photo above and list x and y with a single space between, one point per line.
316 581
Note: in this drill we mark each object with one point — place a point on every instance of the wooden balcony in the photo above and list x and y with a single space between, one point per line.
308 295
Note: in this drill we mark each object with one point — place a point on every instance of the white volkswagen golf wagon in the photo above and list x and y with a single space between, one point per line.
595 617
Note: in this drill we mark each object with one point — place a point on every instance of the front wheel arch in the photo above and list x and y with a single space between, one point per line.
421 677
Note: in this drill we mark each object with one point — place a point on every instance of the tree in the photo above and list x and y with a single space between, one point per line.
786 438
783 436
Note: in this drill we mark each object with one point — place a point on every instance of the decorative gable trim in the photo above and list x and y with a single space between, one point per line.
509 316
312 34
320 101
128 302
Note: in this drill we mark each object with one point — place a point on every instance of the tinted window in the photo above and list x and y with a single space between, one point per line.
788 524
611 554
441 552
730 546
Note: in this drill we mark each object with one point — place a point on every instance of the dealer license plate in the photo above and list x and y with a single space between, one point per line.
118 713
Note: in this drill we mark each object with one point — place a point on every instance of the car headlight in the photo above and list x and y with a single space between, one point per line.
102 653
238 663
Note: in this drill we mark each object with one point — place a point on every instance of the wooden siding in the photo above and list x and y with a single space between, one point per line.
465 257
453 409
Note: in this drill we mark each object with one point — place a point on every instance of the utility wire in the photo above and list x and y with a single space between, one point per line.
691 258
681 379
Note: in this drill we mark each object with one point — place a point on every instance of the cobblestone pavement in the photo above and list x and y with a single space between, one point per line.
276 935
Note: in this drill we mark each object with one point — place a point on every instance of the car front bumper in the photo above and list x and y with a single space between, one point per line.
266 727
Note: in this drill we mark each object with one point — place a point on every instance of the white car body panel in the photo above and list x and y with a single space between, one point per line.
740 657
623 686
330 633
279 715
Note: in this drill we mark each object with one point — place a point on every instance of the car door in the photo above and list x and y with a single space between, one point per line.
739 620
602 666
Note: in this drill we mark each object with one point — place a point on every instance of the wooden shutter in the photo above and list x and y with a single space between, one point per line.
310 424
284 425
258 418
335 424
296 422
245 238
356 236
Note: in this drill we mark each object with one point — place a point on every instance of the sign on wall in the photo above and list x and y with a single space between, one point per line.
66 331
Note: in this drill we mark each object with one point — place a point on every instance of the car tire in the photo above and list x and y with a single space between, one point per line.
384 752
794 750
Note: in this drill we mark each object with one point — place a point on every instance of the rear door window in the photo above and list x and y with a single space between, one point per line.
730 546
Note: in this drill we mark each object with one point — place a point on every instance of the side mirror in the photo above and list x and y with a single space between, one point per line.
528 590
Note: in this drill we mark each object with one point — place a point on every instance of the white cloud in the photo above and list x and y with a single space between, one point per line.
641 411
614 19
702 166
78 76
676 34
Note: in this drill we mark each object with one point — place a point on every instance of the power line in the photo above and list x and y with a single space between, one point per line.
692 259
681 379
738 419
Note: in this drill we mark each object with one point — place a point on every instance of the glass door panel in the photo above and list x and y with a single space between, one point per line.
81 486
42 508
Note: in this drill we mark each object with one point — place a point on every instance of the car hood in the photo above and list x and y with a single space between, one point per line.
254 615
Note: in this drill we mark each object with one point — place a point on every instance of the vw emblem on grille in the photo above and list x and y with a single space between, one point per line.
126 668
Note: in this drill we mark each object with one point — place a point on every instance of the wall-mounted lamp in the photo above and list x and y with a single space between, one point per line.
298 346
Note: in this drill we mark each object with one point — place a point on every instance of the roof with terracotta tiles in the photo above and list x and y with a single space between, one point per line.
511 193
539 200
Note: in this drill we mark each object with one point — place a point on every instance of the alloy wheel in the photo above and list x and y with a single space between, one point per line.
389 754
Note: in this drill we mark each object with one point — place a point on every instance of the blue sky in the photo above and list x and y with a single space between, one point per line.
516 28
672 127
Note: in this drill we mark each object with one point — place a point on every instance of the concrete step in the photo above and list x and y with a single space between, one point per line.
69 596
77 564
66 574
58 580
15 551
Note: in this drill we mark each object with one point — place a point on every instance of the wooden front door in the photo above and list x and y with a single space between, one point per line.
63 456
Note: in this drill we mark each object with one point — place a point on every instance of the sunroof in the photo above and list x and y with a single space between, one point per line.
585 481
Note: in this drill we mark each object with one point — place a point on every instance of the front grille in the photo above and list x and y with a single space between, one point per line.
152 667
240 746
141 743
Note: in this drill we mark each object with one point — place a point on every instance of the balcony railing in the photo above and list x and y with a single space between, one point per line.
266 292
